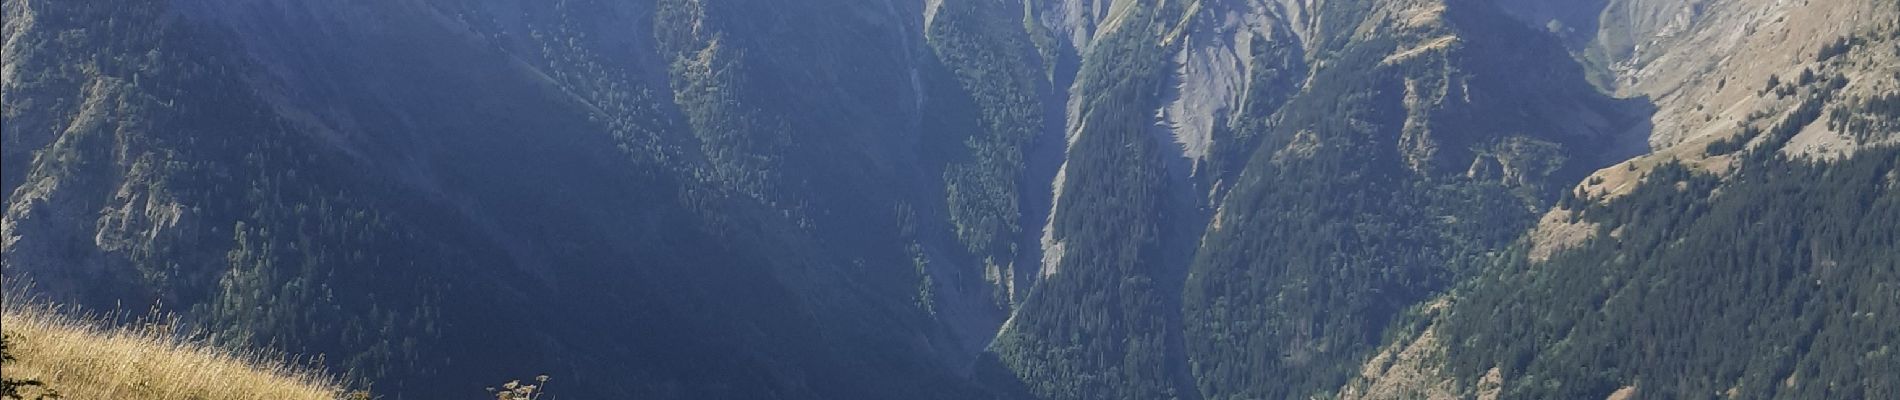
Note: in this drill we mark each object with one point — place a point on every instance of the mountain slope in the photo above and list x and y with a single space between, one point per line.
1375 189
1772 284
1054 199
1739 262
383 191
1400 142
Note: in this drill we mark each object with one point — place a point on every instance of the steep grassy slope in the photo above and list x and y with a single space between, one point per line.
77 359
1705 64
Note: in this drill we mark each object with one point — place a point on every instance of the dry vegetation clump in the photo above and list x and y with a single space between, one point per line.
515 390
82 358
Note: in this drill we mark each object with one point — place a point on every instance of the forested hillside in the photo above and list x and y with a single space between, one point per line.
500 190
1776 283
954 199
1379 184
1754 261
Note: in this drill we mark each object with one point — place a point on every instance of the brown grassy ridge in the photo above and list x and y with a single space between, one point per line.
87 358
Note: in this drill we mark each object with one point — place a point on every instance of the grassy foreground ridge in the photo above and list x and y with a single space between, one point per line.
81 358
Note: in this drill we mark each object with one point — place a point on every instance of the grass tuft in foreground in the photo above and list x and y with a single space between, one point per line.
80 358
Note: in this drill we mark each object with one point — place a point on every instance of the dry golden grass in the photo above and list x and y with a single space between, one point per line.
82 360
